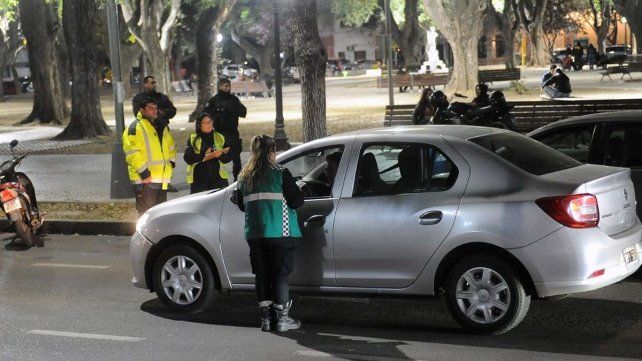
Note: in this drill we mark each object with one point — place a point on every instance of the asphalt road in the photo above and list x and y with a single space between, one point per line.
73 300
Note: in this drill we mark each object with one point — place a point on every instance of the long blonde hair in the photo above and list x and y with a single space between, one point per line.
256 168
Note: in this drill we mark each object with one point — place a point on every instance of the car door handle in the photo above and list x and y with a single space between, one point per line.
314 221
431 217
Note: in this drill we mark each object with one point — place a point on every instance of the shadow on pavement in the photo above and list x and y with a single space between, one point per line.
357 326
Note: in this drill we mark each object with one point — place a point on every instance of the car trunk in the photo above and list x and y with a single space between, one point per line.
613 189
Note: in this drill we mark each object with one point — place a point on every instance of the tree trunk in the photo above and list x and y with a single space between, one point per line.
310 57
129 55
206 59
263 54
632 10
408 37
538 47
80 29
40 27
461 23
63 70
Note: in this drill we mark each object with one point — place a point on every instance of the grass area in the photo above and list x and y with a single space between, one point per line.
89 211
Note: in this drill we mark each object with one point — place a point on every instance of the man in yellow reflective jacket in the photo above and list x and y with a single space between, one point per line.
151 156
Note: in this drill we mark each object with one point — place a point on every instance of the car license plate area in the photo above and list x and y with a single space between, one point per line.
630 255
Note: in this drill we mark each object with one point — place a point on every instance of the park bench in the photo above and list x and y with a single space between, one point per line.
531 115
250 87
621 69
489 76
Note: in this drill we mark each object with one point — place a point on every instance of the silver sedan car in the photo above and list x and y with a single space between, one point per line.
484 217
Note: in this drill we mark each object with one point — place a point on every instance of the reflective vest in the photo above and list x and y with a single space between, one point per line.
196 141
267 214
144 151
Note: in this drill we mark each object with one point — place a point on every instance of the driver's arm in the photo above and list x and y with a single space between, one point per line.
291 192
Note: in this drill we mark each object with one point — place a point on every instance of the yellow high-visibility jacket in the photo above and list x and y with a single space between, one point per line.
145 155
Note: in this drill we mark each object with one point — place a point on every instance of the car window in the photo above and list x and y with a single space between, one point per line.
624 146
525 153
574 142
394 168
316 170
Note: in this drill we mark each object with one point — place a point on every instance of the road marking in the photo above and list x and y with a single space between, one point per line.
92 336
69 265
347 356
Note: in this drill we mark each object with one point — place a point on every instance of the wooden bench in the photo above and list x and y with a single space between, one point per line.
531 115
248 87
622 69
489 76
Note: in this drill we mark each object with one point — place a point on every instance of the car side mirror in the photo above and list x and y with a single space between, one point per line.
13 143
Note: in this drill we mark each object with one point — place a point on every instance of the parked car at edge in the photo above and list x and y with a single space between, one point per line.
613 139
231 71
617 53
476 214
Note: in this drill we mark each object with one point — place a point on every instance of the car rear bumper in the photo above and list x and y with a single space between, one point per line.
139 247
565 261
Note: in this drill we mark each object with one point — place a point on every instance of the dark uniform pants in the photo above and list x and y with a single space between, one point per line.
149 195
272 261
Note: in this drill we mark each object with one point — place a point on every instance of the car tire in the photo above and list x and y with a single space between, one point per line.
183 279
485 295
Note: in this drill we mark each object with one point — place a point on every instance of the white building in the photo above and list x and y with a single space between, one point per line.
352 43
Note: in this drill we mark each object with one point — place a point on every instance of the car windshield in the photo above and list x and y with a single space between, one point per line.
525 153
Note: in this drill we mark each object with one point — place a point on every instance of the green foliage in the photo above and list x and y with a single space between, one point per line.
8 9
354 12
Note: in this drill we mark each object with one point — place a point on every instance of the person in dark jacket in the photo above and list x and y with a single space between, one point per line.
206 154
481 96
166 109
269 195
591 55
557 86
226 109
578 53
423 112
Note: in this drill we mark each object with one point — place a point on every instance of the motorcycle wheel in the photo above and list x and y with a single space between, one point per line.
25 232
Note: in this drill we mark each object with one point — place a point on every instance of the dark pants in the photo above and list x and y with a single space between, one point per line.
272 261
237 166
149 195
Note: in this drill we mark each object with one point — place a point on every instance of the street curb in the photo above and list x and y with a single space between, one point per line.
85 228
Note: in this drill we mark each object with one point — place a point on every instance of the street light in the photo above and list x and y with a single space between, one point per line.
219 37
280 138
120 185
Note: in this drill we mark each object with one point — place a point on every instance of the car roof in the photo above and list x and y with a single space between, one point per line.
606 117
456 131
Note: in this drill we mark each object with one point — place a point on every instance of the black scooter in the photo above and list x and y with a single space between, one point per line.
496 114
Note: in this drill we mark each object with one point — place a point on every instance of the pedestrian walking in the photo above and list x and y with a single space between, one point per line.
151 156
591 56
206 154
269 195
578 53
226 109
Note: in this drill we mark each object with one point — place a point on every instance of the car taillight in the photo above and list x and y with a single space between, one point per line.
574 211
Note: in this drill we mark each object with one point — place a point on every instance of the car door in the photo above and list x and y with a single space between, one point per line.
621 146
398 205
314 262
578 141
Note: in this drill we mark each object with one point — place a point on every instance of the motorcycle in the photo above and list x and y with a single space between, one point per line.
16 202
496 114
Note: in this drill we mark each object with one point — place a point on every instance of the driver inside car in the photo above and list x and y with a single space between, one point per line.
332 161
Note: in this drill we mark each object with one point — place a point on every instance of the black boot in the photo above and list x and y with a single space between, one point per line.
266 318
283 321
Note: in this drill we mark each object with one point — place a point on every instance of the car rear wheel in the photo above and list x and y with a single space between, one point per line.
183 279
484 295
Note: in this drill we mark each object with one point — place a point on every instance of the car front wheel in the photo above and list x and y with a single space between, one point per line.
183 279
484 295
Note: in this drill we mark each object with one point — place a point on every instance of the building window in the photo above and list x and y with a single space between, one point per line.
481 47
342 54
360 55
500 46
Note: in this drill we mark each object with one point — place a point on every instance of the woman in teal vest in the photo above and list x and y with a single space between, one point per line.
268 195
206 154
